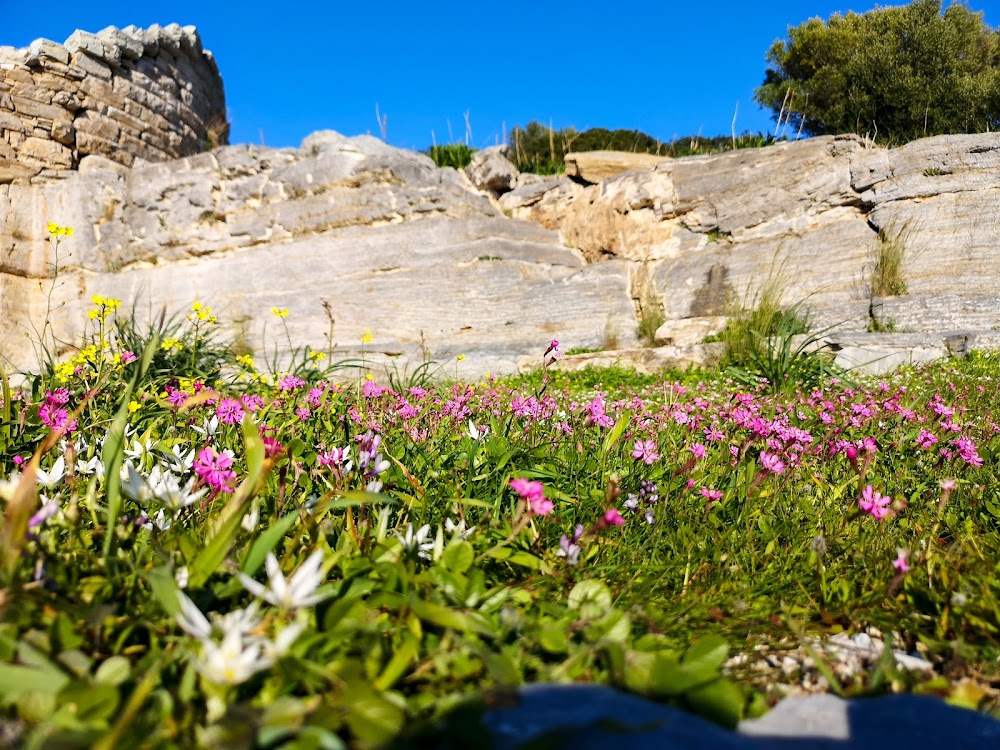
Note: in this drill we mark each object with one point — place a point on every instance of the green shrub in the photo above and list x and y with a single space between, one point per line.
896 73
455 155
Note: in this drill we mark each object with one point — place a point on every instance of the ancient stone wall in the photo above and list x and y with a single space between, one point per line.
124 94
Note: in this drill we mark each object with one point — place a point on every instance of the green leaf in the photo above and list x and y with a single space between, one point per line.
720 701
401 659
266 541
114 671
616 432
93 702
17 680
591 597
553 639
164 587
705 657
458 556
446 617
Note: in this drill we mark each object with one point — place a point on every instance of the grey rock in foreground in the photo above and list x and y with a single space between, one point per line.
592 717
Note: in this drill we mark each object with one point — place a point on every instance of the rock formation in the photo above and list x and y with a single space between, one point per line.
486 263
126 94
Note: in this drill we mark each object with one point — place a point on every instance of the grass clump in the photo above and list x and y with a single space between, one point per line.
888 262
455 155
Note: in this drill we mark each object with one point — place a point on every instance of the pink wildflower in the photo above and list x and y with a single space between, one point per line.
303 413
771 462
710 494
533 494
229 411
290 383
215 469
698 450
128 357
613 518
926 440
645 450
900 563
874 503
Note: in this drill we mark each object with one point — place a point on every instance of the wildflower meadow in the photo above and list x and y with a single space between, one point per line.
199 550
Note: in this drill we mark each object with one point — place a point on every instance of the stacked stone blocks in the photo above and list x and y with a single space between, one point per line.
153 94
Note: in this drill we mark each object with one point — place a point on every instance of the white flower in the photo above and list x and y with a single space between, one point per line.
244 620
297 591
94 466
277 648
209 426
458 529
233 661
191 619
250 520
181 576
417 541
179 460
477 433
168 491
138 450
49 479
134 484
9 485
160 521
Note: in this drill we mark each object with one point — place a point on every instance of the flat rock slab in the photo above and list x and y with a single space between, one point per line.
593 717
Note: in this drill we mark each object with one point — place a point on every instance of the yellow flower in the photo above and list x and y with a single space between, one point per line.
133 407
369 376
366 338
97 299
196 306
57 231
93 314
460 357
317 356
170 343
279 312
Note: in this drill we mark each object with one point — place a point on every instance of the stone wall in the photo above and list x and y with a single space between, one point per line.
125 94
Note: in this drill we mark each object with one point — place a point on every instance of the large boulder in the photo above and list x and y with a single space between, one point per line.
492 172
597 166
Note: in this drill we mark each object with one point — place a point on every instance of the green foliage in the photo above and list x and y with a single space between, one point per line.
894 73
455 155
888 262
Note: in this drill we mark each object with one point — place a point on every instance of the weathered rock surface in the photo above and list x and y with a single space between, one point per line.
597 166
125 94
390 242
492 172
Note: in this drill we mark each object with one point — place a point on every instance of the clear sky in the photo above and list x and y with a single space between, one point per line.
666 68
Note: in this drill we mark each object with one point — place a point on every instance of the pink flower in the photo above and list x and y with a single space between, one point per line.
229 411
711 494
214 469
771 462
645 450
303 413
128 357
533 494
290 383
698 450
874 503
613 518
900 563
926 440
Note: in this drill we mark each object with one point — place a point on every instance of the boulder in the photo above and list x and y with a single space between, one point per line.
492 172
597 166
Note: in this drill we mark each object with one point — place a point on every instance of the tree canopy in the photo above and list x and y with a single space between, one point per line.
895 74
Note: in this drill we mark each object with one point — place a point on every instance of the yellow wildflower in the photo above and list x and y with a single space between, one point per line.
460 357
366 338
280 312
317 356
133 406
246 360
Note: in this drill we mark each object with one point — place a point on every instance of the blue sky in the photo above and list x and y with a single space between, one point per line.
669 69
